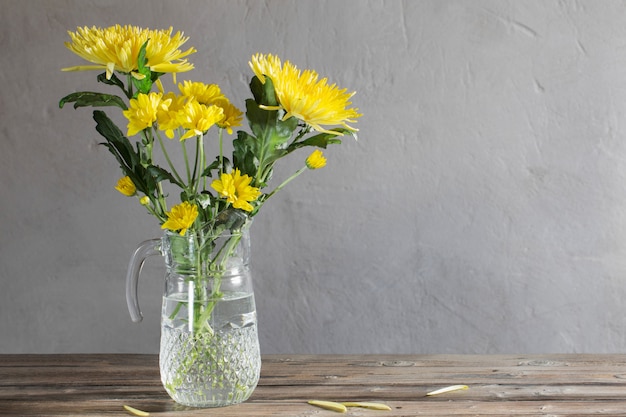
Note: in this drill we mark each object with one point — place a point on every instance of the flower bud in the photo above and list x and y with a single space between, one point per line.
316 160
126 186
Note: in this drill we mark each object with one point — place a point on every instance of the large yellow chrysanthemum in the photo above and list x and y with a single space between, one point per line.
304 96
116 48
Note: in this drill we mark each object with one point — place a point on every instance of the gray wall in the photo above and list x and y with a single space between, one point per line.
482 210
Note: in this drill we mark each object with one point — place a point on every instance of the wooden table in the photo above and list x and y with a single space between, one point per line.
499 385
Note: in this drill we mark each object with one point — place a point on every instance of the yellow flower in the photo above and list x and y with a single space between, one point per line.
198 118
168 116
126 186
203 93
143 111
145 200
236 189
263 65
232 116
116 48
304 96
181 217
316 160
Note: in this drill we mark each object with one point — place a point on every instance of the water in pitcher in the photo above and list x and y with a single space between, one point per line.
218 365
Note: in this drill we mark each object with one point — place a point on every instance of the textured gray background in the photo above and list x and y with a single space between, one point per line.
483 208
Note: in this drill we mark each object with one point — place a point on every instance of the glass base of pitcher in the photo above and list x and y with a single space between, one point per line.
210 370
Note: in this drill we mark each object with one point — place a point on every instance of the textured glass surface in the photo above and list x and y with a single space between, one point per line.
225 367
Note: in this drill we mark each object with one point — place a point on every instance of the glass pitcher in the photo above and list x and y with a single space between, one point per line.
209 351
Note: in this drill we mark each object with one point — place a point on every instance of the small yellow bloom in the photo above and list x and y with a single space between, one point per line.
143 111
197 118
126 186
316 160
232 116
236 189
181 217
145 200
116 48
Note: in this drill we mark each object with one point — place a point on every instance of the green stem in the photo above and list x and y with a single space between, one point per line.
305 130
222 255
152 210
162 201
200 163
167 158
287 181
129 80
186 164
221 167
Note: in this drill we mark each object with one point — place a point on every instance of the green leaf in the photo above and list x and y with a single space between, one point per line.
215 165
145 178
263 93
113 81
116 139
272 132
118 144
144 85
159 174
204 199
321 140
267 125
92 99
244 150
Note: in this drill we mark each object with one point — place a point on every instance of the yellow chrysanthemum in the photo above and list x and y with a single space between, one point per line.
197 118
206 94
236 189
126 186
168 118
232 116
304 96
316 160
143 111
263 65
181 217
116 48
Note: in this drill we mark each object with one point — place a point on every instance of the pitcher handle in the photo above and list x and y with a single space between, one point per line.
145 249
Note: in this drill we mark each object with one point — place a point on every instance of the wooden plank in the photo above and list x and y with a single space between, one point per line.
290 408
333 393
99 385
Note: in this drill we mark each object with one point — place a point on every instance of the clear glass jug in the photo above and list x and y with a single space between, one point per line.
209 352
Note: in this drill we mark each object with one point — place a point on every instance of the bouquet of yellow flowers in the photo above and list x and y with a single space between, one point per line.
209 356
290 109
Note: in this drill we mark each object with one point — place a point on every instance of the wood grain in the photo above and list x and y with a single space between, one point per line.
499 385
